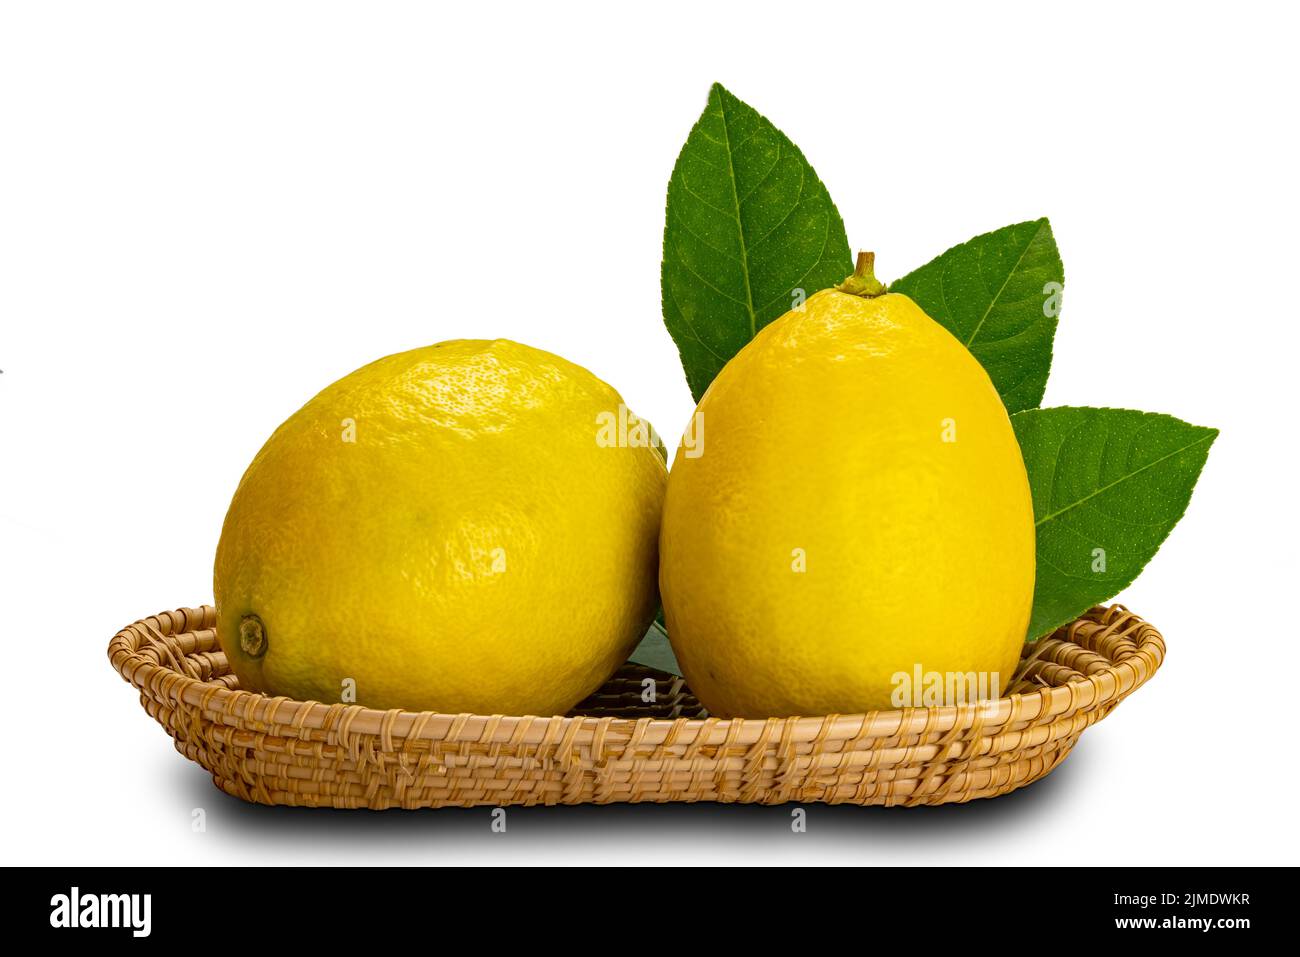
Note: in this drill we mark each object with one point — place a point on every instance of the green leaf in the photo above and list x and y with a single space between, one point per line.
748 224
999 294
656 652
1108 486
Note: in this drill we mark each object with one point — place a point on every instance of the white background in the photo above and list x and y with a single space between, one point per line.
207 213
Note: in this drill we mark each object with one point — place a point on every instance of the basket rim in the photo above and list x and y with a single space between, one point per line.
161 681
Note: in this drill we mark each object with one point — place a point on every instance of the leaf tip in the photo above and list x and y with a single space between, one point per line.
720 94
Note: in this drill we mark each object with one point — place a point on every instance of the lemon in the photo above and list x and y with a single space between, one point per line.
854 507
467 527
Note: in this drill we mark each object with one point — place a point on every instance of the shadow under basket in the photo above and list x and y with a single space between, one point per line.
615 747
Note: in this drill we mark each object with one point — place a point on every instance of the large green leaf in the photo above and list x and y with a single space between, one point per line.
1108 486
750 230
999 294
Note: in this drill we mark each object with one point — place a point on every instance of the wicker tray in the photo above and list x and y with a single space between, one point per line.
616 748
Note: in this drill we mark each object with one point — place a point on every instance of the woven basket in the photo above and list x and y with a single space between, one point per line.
614 747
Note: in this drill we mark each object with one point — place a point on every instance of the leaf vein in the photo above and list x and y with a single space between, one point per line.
1123 478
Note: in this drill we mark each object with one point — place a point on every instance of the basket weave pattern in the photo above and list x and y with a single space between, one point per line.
616 747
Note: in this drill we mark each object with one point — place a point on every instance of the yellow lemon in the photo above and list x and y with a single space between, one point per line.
467 527
849 512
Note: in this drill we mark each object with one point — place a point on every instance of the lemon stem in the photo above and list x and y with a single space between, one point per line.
863 282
